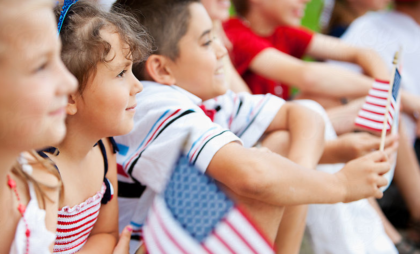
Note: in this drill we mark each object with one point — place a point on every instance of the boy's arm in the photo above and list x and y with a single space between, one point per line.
273 179
329 48
306 130
311 77
104 235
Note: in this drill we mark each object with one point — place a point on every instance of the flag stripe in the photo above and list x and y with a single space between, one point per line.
166 232
233 228
233 240
152 245
215 246
167 243
250 232
190 245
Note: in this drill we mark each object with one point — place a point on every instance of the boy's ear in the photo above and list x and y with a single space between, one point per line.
71 108
158 69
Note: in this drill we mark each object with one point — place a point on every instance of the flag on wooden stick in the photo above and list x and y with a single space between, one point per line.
372 114
194 216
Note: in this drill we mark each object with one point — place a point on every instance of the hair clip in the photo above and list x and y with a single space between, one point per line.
66 6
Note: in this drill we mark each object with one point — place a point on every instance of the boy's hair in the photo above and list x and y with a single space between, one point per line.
83 46
241 7
166 21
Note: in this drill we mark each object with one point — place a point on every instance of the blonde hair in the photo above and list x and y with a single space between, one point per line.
41 164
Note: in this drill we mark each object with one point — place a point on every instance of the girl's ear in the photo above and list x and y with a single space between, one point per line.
71 108
158 69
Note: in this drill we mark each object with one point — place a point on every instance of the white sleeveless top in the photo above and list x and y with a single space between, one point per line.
40 238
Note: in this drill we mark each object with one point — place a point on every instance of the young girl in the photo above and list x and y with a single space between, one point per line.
99 48
35 86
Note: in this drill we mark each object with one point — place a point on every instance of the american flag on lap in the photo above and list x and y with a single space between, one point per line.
194 216
372 114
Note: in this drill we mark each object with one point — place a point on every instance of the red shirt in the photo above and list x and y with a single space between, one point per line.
247 45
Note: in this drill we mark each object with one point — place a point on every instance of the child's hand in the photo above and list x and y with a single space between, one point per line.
363 177
123 246
354 145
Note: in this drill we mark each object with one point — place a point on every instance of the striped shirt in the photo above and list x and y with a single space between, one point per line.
169 121
75 224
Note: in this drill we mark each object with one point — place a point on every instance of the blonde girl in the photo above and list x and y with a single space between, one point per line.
34 89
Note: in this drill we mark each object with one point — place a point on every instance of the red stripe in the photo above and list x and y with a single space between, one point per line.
389 123
369 128
198 147
206 249
378 97
76 221
240 236
154 237
73 215
120 171
73 235
61 250
223 242
161 125
66 243
370 119
159 219
373 104
129 162
73 229
257 230
259 103
381 90
373 112
382 81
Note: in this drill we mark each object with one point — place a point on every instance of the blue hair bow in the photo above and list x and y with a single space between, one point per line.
66 6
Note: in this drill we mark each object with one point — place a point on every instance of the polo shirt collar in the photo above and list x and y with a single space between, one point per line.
196 100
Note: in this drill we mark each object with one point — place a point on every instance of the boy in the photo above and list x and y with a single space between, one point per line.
171 119
268 44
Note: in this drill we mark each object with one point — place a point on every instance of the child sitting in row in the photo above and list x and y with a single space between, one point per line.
35 86
99 49
186 69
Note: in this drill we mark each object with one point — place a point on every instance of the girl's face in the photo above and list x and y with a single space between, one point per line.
199 67
34 82
108 102
283 12
218 10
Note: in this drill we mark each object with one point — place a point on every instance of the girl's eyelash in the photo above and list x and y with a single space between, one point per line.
122 73
208 43
41 67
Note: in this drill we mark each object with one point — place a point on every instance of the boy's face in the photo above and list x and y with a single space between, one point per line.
199 67
284 12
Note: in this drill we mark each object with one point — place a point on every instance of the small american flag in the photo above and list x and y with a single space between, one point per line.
372 114
194 216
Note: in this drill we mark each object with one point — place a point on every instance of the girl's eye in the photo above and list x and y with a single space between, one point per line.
122 74
208 43
42 67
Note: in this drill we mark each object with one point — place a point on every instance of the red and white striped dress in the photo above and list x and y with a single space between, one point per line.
75 224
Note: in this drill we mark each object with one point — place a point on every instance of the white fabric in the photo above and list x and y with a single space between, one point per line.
40 238
184 128
386 32
352 228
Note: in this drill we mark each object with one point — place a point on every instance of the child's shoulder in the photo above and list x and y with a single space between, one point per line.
156 96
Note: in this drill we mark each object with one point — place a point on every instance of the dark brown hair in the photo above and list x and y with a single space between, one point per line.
241 7
166 21
83 46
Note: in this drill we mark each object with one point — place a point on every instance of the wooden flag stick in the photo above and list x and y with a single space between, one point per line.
388 102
